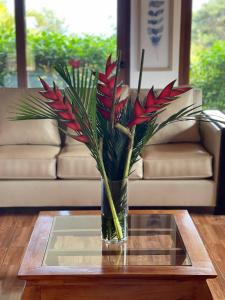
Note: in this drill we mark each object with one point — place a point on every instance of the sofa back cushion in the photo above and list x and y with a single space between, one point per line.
34 132
182 131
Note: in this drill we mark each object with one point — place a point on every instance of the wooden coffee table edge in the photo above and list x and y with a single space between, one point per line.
32 269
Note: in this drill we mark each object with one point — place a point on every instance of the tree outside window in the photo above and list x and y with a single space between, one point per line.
50 38
208 52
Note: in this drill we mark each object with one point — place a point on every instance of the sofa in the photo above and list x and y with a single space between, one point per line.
39 167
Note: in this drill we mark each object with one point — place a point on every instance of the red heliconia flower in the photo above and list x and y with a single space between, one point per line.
140 114
104 113
110 66
154 103
81 138
118 108
75 64
44 84
105 92
62 108
169 93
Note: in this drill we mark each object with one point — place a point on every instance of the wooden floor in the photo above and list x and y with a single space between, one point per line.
16 228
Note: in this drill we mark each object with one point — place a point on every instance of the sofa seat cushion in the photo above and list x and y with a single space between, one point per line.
75 162
176 161
28 161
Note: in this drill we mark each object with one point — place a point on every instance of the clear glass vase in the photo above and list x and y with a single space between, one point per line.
119 194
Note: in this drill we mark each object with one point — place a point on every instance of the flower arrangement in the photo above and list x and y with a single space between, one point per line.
113 127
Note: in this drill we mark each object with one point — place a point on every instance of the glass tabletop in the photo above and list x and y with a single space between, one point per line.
153 240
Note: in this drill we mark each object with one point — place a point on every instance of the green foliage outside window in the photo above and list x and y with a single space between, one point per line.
7 41
208 73
50 48
48 44
208 53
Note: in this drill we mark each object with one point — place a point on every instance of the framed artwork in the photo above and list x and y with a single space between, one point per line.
156 34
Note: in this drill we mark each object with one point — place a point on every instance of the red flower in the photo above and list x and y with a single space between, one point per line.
154 103
75 64
80 138
62 107
110 66
140 114
105 92
169 94
118 108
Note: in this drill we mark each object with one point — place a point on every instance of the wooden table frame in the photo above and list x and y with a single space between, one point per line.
110 282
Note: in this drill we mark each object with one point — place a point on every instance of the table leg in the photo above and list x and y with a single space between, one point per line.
31 293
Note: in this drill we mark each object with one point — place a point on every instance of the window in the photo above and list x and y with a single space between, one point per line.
55 32
60 30
8 74
208 51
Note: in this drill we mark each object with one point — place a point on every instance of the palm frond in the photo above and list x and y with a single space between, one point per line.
191 109
32 109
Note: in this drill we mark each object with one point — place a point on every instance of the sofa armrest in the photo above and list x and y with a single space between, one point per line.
213 139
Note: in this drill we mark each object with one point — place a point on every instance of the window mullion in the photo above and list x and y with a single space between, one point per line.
123 36
21 42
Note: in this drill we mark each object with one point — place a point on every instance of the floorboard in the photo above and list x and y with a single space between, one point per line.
16 227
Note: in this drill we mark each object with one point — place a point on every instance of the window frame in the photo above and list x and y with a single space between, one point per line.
185 42
20 43
123 40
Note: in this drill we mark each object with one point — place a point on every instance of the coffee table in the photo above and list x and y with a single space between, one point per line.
164 258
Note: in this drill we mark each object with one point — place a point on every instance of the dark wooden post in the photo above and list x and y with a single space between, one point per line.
185 41
21 43
123 37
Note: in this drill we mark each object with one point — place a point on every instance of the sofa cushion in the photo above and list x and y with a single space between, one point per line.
182 131
75 162
28 161
176 161
36 132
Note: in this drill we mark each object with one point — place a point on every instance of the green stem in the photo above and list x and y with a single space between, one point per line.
131 142
73 76
117 225
78 81
123 129
116 222
129 155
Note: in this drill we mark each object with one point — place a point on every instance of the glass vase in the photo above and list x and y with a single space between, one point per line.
118 189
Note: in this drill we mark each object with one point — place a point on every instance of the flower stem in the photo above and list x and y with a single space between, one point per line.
131 142
129 155
116 222
117 225
123 129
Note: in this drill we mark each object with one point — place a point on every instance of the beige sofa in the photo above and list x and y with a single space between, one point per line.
180 167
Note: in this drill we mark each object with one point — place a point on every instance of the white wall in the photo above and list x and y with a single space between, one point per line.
156 78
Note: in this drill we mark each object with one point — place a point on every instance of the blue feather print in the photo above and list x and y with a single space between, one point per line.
156 4
156 13
155 27
155 21
156 39
155 31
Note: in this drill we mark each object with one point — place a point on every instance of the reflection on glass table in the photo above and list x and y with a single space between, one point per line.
153 240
